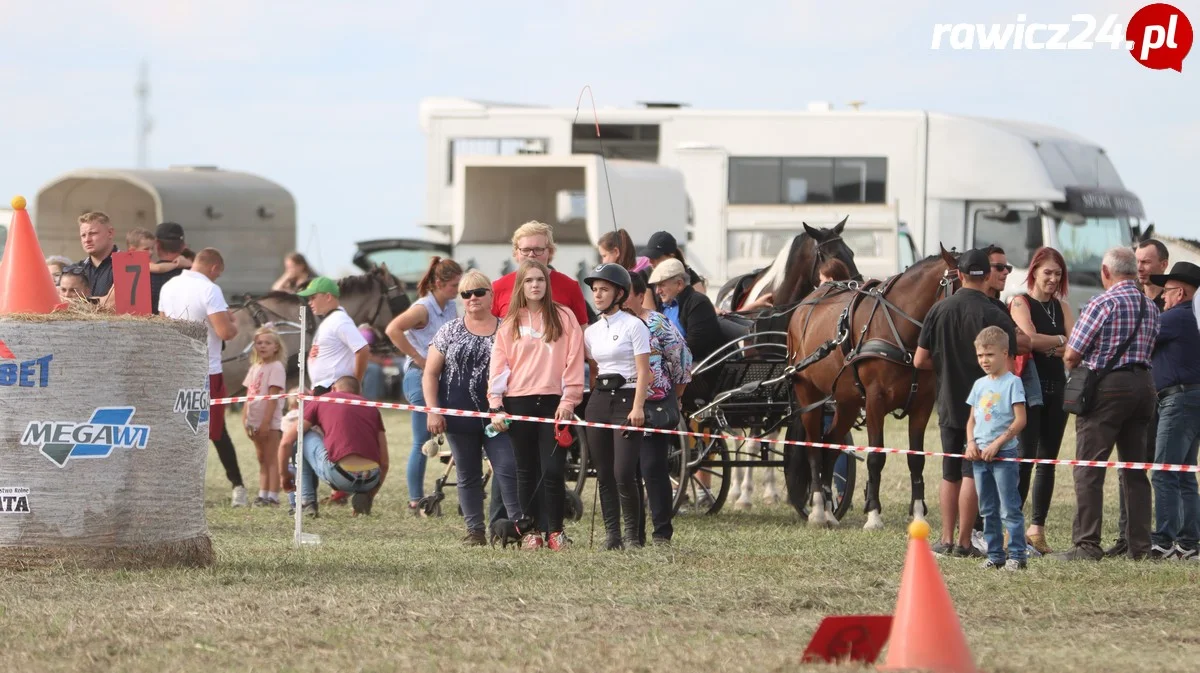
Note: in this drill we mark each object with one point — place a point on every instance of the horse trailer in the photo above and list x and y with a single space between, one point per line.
250 219
910 181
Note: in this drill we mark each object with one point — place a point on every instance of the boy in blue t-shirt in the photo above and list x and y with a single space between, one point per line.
997 418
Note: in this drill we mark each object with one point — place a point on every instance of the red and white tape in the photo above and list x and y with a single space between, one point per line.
1124 465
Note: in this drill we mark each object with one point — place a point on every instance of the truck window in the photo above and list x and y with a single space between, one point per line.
1008 233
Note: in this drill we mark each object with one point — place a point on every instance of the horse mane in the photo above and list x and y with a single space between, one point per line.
363 282
282 295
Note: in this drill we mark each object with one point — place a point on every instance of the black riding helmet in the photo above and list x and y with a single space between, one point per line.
615 274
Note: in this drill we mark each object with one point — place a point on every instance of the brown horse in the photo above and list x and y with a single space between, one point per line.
874 328
374 298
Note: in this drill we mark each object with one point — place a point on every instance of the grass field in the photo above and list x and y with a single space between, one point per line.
737 591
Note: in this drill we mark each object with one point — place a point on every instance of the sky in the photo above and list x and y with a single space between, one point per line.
322 98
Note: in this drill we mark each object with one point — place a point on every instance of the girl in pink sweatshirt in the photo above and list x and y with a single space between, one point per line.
537 370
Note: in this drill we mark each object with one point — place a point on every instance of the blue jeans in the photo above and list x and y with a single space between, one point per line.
420 434
999 500
317 466
372 383
1176 503
468 449
1032 384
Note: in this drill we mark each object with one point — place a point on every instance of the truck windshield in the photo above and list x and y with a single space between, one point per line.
1083 245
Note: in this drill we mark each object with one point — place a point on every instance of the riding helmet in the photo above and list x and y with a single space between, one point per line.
613 273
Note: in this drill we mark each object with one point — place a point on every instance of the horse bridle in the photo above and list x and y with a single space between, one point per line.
262 316
393 295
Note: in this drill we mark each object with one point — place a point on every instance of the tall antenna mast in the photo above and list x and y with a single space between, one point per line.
143 119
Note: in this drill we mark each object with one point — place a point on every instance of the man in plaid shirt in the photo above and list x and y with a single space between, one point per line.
1124 404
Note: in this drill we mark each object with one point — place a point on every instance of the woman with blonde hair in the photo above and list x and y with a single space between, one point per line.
411 332
536 370
456 377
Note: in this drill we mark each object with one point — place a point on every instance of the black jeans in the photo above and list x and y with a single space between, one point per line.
1042 438
656 448
541 462
616 458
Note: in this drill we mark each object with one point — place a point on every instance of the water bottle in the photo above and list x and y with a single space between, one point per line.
490 431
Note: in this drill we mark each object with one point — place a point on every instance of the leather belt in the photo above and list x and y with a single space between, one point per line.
1174 390
364 476
1132 367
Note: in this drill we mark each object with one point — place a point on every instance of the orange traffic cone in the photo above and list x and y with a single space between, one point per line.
926 633
25 282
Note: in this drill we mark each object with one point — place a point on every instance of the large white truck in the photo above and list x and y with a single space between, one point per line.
910 181
582 196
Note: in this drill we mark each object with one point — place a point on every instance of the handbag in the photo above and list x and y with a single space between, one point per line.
1079 394
662 414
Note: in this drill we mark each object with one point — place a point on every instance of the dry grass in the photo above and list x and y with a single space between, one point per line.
737 592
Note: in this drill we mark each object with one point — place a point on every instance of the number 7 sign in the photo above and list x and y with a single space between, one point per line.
131 282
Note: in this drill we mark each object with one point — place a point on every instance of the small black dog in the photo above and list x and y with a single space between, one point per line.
508 531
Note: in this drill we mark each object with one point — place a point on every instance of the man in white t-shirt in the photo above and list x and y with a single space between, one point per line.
193 295
338 349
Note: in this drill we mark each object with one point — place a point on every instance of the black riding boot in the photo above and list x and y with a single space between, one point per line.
631 507
610 510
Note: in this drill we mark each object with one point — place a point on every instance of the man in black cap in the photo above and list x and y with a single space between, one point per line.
663 246
1177 379
168 245
947 346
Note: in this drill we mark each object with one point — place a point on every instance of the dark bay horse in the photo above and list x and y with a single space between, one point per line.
790 278
860 342
793 273
374 298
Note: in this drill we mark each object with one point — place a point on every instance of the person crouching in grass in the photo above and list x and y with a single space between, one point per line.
997 417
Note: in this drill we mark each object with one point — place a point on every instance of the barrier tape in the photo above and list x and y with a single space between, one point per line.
1124 465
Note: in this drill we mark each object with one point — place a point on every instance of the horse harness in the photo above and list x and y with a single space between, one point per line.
855 351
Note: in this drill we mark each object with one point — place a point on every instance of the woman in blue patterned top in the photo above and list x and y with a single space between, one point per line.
456 377
671 367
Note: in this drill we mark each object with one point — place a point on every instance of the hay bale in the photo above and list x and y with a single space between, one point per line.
99 469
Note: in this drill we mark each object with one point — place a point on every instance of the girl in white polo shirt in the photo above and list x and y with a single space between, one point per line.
618 344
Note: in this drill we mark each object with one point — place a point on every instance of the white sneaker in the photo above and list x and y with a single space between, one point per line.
239 496
979 542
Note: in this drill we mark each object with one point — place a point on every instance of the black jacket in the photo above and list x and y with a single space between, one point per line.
702 329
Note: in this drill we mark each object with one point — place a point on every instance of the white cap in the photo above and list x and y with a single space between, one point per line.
667 269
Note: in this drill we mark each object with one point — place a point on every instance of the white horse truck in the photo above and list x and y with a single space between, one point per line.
909 180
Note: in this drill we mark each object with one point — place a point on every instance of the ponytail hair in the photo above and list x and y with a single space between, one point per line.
620 240
441 270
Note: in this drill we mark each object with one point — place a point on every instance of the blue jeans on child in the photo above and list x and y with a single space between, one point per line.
999 501
415 472
318 467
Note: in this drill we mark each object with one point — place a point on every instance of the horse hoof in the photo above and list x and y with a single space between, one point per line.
919 510
735 492
771 499
830 518
743 505
816 517
874 521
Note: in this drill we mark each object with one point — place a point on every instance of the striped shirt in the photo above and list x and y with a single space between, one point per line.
1107 321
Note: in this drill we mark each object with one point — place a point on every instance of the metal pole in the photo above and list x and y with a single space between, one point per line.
300 537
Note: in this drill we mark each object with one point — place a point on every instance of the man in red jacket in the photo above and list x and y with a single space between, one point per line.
535 240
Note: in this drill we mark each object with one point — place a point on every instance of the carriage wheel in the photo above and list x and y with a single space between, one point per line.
691 457
844 474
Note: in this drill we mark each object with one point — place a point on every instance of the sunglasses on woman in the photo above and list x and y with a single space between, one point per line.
477 292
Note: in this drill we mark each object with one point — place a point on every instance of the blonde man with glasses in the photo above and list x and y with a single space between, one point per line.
535 241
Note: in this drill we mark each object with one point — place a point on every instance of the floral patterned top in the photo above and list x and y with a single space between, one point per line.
464 378
670 359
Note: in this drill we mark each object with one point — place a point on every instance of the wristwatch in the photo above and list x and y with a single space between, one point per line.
496 410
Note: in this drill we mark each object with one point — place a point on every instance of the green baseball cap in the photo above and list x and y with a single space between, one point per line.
320 285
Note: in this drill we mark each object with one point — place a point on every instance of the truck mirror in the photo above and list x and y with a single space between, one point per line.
1033 233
